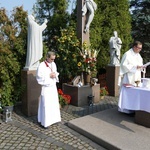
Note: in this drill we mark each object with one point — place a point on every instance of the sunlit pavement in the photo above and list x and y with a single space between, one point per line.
25 133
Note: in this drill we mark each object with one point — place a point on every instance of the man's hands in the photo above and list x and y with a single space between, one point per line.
140 67
53 75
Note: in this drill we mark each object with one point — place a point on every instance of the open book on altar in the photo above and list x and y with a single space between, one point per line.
147 64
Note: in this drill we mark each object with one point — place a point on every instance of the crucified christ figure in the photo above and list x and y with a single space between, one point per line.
91 6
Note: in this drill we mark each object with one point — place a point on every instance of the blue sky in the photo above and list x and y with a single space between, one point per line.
27 4
10 4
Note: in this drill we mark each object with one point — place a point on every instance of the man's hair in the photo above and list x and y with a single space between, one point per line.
137 43
50 53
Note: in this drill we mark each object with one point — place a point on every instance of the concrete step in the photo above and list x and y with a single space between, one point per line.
113 130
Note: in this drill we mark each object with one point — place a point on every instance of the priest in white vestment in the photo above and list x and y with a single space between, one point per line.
47 76
130 68
34 43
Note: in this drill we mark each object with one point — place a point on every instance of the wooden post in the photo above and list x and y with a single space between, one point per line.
81 21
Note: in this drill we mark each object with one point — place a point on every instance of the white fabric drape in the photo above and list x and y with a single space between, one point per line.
134 98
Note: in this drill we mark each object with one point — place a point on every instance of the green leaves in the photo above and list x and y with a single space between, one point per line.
110 16
12 58
141 25
67 56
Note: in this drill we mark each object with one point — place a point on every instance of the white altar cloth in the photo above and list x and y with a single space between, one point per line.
134 98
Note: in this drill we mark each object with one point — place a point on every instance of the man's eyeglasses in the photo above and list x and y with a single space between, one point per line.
139 47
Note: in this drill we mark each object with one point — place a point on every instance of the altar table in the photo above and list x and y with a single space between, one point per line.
136 99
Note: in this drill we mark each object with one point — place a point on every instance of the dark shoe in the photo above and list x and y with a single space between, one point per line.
131 115
43 127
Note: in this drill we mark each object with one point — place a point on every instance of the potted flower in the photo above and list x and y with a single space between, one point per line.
103 92
87 61
64 99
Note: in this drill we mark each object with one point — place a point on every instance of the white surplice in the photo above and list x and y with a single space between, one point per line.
48 110
129 73
128 68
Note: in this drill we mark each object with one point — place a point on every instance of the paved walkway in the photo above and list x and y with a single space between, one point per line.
25 133
113 130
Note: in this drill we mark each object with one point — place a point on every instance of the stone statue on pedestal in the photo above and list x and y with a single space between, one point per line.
90 6
34 43
115 46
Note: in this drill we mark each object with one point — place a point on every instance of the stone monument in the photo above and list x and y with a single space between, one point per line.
85 15
81 23
34 43
115 47
89 7
28 78
79 93
112 73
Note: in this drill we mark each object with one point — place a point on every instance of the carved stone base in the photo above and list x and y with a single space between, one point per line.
142 118
112 74
31 95
79 95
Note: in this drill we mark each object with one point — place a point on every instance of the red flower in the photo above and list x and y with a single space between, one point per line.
88 60
63 98
67 98
60 92
104 91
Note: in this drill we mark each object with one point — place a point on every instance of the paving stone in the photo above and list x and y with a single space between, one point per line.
25 133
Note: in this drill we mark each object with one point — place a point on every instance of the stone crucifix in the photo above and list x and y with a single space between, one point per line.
85 15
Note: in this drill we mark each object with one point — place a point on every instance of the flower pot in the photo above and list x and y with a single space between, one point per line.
87 78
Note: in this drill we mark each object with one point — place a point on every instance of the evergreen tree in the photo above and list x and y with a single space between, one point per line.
55 12
110 16
13 31
141 25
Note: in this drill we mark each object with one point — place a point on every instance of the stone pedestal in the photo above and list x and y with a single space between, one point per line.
142 118
112 74
79 95
96 93
102 80
31 95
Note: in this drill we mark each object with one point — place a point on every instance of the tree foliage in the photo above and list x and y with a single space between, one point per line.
141 25
110 16
12 53
67 56
55 12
